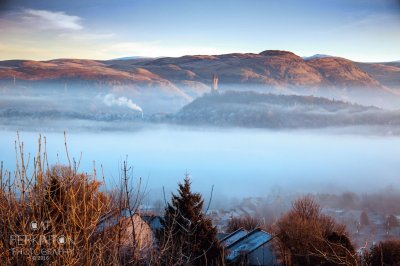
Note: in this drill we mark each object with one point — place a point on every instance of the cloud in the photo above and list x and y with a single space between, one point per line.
51 20
156 49
111 100
33 20
42 34
87 36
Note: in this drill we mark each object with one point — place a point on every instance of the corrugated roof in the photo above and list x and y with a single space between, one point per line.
233 237
248 243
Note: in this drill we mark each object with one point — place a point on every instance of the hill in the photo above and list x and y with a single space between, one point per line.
166 84
251 109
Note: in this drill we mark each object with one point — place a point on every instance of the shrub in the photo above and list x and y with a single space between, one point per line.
308 237
54 216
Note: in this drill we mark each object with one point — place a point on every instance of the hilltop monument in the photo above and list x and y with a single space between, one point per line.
214 88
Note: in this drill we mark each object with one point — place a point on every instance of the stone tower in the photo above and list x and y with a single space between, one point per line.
214 89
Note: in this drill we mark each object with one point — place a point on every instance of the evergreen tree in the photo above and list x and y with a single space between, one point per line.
391 221
364 219
385 253
188 236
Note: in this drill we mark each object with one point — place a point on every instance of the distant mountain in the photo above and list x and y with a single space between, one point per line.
131 57
388 74
146 88
268 68
251 109
316 56
166 84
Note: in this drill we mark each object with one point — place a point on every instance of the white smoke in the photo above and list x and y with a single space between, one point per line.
111 100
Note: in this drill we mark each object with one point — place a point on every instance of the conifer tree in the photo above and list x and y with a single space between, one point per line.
364 219
188 236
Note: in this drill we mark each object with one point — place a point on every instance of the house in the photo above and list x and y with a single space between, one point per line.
131 229
154 221
254 248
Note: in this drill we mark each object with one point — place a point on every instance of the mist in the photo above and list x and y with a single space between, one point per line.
308 145
238 162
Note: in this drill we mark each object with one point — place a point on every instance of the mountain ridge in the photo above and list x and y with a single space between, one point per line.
181 79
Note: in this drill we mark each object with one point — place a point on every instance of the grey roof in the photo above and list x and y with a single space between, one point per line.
248 243
112 218
233 237
153 220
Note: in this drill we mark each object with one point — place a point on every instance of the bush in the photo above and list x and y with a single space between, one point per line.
55 216
307 237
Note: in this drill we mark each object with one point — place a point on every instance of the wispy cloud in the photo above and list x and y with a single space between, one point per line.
33 20
156 49
51 20
82 36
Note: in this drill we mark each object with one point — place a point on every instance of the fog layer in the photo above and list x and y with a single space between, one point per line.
239 163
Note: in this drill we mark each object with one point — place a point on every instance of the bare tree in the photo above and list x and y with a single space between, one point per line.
308 237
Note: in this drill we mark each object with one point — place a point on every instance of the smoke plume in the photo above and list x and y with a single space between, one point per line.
111 100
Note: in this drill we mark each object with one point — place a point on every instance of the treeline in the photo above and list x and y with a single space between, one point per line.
252 97
386 201
128 115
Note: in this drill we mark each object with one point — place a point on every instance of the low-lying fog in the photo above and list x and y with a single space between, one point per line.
238 162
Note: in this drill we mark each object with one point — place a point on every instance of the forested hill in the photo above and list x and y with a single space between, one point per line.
252 109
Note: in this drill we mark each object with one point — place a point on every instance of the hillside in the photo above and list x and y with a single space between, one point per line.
387 74
167 84
251 109
279 69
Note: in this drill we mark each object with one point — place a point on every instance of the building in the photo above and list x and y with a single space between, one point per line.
123 224
154 221
233 237
254 248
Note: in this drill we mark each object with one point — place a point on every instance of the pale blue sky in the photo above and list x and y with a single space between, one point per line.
362 30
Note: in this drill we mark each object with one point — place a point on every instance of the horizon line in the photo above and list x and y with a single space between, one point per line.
128 57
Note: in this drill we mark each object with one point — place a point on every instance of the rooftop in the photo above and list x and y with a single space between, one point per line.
233 237
248 243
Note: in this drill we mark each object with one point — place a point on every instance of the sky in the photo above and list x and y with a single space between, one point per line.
360 30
